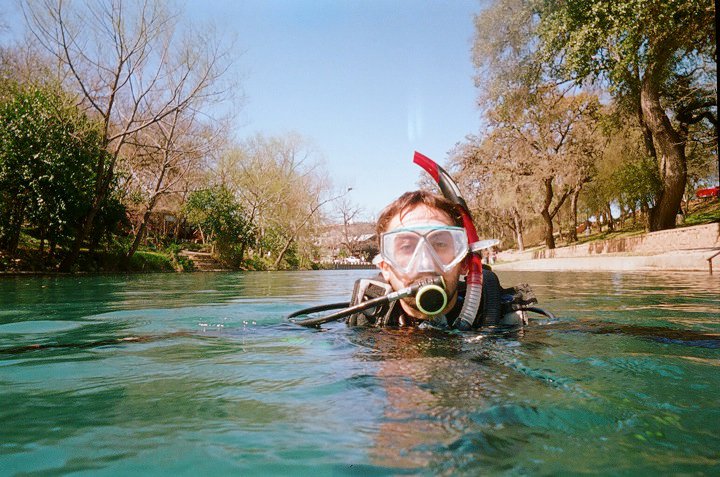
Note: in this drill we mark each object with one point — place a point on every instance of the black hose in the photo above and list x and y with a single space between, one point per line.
491 303
381 300
318 309
540 311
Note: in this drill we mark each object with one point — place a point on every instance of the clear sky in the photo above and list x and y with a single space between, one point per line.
366 81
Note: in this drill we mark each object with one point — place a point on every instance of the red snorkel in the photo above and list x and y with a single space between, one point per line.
474 277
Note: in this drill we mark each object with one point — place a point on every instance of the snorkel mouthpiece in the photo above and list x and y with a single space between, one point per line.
431 297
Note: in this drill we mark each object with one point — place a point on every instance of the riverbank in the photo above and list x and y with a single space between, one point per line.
681 249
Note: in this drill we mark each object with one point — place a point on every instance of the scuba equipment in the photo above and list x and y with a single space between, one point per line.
429 294
474 278
431 248
499 307
431 299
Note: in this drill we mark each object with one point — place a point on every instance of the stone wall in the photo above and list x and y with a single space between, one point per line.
686 238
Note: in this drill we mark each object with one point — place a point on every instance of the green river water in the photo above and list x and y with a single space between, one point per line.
199 374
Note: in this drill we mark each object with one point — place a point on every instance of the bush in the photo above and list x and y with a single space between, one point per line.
142 261
257 263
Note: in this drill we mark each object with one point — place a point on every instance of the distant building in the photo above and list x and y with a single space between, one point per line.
351 244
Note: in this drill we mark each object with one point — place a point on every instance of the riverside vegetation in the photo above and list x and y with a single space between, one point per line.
112 162
169 257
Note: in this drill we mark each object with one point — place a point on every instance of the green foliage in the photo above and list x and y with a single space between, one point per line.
616 40
143 261
257 263
292 258
657 59
707 211
272 240
637 182
220 216
180 263
110 219
626 174
47 152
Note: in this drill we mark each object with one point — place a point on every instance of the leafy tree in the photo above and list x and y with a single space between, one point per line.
47 152
543 146
626 174
166 155
542 129
223 221
658 57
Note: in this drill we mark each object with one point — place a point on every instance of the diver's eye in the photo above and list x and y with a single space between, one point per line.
443 245
441 241
405 245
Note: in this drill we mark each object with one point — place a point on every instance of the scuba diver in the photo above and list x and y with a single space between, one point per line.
427 243
423 242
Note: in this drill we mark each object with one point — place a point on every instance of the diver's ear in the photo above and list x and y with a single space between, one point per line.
384 270
377 260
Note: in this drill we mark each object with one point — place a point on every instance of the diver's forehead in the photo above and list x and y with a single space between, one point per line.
419 215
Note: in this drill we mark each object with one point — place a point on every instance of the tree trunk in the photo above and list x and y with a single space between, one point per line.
547 217
140 234
282 252
517 220
72 255
610 220
549 238
670 147
102 187
178 229
10 241
573 210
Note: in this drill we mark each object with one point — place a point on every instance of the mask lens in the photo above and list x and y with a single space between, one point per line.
402 246
443 244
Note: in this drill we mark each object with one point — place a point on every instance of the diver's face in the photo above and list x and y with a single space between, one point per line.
421 216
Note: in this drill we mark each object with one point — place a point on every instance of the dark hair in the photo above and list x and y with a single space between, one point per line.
409 200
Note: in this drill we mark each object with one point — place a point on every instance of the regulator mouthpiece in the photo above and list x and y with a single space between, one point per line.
431 298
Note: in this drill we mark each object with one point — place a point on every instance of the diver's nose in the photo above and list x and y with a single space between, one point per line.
425 262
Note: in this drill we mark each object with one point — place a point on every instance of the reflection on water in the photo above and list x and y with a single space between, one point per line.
199 373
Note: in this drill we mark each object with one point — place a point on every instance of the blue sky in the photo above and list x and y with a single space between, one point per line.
367 82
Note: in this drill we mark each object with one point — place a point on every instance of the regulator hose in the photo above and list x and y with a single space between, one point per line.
430 298
474 279
540 311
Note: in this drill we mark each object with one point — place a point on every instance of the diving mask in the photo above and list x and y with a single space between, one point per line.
431 248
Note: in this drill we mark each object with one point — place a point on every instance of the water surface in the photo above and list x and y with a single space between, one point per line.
189 374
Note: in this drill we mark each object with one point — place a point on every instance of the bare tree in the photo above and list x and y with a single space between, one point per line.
347 212
556 132
168 152
132 67
498 195
283 188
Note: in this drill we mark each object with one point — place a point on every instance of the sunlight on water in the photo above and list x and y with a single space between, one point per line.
200 373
